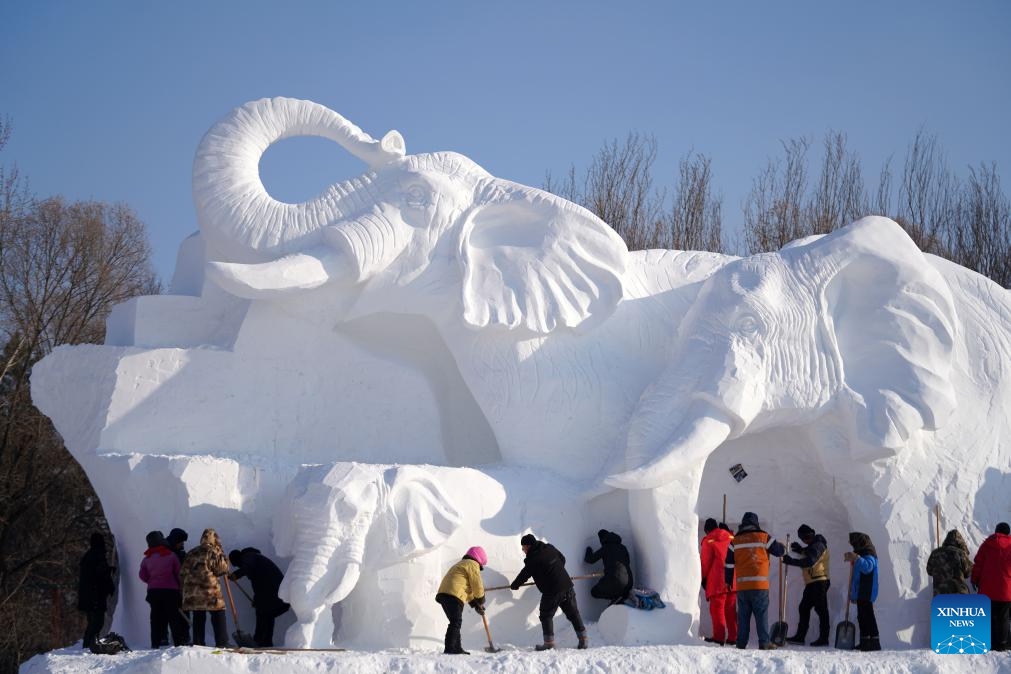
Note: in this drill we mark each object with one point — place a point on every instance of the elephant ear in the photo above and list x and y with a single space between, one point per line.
419 513
532 262
891 317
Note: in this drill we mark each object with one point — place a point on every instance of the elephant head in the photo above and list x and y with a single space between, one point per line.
508 254
857 318
336 517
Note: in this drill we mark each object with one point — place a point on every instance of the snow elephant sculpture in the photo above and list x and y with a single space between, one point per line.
878 350
374 540
555 328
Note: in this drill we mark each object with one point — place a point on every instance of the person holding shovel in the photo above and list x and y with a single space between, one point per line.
546 565
864 588
266 579
813 563
201 569
949 566
461 585
748 557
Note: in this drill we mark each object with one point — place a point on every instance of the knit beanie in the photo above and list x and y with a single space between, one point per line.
155 538
528 539
710 525
804 531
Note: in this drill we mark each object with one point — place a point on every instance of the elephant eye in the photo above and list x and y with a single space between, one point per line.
747 325
416 197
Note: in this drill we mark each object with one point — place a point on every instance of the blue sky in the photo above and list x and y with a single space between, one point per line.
109 99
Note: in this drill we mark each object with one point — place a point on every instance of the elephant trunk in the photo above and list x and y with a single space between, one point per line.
372 241
239 219
701 430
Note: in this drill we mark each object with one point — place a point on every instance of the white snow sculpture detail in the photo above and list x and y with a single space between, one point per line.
430 313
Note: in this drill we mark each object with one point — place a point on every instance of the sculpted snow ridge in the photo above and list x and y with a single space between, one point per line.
429 357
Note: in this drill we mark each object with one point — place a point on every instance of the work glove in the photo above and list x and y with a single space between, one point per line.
515 585
478 605
588 554
797 547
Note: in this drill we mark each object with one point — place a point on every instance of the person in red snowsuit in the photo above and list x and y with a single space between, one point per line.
721 597
991 573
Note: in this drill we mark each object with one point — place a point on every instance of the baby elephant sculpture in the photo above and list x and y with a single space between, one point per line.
374 540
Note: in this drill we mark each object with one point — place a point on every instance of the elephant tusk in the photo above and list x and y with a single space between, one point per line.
291 273
690 444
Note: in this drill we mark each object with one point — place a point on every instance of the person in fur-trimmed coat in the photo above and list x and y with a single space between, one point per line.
201 570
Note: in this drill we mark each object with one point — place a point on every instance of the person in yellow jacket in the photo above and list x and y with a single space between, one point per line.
462 585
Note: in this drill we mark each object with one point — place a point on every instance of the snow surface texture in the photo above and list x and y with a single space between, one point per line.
667 659
428 357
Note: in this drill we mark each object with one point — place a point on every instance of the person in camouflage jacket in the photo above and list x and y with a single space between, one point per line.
949 565
201 569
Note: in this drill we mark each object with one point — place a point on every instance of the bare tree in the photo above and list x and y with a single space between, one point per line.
774 209
695 219
928 194
980 237
62 268
839 196
619 188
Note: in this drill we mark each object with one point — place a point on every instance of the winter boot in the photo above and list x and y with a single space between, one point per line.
584 641
767 647
870 644
796 639
714 641
549 643
821 641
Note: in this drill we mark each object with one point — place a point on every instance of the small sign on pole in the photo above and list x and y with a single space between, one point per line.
738 472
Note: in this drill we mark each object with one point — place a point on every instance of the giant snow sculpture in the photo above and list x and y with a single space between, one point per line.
429 357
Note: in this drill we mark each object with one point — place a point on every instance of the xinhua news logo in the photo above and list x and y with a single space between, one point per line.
960 624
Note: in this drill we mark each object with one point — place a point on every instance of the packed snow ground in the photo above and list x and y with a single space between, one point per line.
672 659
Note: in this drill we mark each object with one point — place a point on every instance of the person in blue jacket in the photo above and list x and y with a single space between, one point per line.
864 588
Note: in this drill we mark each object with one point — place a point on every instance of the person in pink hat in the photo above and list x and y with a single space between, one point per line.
462 585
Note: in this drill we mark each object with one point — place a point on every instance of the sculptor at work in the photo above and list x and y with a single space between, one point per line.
814 563
266 579
201 569
720 594
748 558
546 566
617 581
462 585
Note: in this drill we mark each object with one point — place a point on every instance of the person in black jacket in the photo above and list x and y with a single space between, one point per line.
266 579
94 587
617 580
546 565
814 565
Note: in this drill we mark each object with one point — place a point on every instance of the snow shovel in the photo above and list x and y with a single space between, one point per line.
490 647
846 632
241 638
780 629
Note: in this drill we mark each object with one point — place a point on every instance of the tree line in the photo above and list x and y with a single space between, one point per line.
805 189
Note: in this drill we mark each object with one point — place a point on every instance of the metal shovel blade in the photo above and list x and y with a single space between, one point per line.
846 636
779 631
244 639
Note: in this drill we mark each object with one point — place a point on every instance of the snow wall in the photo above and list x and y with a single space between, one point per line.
428 358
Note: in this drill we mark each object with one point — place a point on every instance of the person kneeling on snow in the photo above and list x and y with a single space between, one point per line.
864 589
617 580
266 578
546 565
462 585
